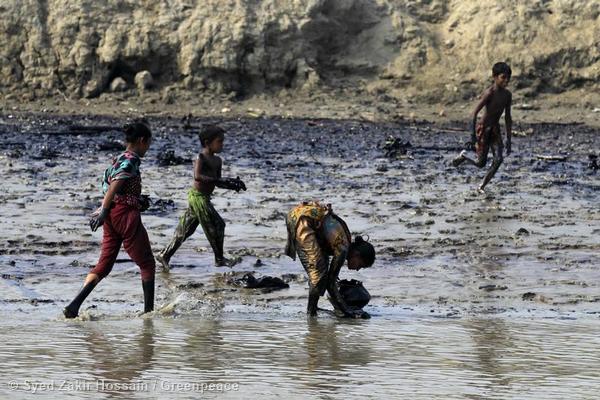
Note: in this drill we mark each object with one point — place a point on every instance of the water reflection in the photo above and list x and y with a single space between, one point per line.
473 358
117 357
336 345
203 346
492 341
334 350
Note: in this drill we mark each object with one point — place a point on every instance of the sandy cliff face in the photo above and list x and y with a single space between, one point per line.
429 49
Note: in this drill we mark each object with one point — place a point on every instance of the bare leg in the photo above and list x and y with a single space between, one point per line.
91 278
498 158
72 310
186 227
313 301
482 152
111 243
214 229
314 262
137 245
460 159
148 288
479 162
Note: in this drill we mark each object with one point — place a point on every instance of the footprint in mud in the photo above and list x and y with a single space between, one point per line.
490 288
531 296
190 286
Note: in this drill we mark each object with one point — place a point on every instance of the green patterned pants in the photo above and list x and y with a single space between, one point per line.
199 212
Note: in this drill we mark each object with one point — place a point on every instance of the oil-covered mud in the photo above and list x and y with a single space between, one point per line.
479 277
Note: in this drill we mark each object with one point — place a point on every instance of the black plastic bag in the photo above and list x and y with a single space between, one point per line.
354 293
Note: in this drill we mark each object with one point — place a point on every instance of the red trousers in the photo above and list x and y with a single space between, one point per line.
124 226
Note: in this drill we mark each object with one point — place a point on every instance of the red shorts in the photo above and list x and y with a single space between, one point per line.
123 226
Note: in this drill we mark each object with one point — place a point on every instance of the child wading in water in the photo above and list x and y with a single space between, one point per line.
315 233
207 176
486 133
120 219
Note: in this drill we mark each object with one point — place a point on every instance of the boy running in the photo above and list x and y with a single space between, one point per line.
486 133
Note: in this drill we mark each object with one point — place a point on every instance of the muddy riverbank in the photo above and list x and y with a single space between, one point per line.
524 256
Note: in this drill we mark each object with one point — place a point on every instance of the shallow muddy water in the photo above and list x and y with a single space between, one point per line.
474 296
400 356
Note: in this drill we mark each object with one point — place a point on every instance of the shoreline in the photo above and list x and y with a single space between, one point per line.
560 109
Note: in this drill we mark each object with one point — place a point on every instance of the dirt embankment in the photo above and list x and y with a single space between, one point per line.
380 55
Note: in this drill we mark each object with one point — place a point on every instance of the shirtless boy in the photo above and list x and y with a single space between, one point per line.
207 176
486 133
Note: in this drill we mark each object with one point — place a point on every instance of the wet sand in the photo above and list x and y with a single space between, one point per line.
494 295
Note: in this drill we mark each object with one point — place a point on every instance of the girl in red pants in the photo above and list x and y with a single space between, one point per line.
120 219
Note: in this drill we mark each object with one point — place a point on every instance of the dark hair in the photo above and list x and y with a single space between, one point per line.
501 68
136 129
210 132
365 250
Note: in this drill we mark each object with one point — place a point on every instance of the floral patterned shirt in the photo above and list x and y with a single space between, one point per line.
332 231
125 166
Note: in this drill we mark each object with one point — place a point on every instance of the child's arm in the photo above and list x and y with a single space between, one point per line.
508 122
114 188
485 98
335 297
229 183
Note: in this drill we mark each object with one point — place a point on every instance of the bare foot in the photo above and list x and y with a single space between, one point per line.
224 262
69 313
459 160
163 262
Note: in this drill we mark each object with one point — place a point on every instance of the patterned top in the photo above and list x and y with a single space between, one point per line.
332 232
126 166
311 209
